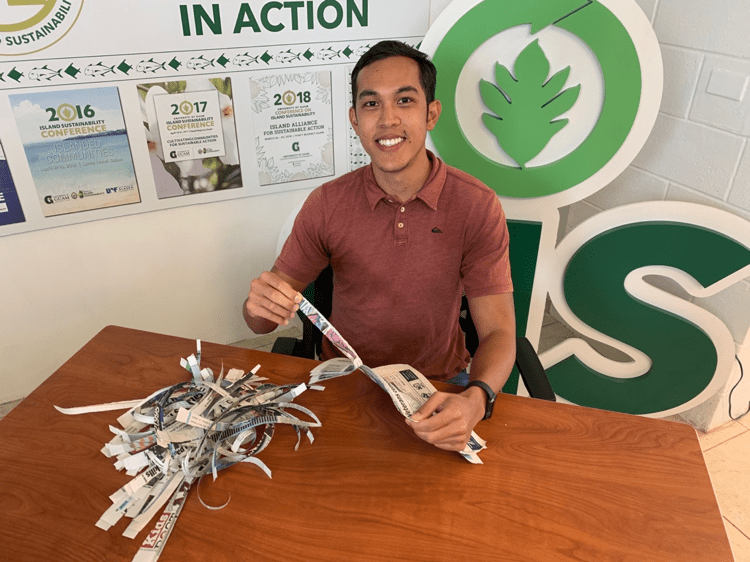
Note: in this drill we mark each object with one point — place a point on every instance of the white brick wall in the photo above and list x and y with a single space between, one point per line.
698 150
681 69
716 26
691 154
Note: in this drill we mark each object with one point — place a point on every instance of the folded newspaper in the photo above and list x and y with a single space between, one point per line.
177 435
407 387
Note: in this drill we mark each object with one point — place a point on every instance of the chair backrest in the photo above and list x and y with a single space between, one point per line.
467 326
527 361
320 294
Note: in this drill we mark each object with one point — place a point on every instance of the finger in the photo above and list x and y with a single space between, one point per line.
264 300
275 295
442 429
267 300
456 445
433 423
274 313
432 405
273 280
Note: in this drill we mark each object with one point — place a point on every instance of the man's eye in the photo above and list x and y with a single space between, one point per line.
404 100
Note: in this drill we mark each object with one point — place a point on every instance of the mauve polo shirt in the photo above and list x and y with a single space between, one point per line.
400 269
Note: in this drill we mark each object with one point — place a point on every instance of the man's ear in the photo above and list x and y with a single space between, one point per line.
353 119
433 114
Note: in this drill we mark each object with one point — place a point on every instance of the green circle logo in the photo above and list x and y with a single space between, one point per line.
543 99
29 26
289 97
186 108
66 112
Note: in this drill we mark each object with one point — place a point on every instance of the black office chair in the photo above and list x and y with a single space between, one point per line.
319 293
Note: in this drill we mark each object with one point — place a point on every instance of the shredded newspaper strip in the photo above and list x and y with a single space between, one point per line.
407 387
177 435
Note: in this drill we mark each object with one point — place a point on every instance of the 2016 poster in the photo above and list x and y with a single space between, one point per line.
191 135
10 207
293 125
77 149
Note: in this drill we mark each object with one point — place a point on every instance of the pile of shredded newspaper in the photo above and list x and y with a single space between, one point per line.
179 434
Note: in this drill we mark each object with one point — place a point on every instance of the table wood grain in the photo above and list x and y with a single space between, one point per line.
559 482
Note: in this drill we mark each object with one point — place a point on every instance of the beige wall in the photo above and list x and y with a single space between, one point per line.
183 272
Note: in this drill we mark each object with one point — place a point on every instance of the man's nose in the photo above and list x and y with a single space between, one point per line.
389 116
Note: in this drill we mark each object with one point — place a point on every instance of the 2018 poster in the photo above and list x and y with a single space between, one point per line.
77 149
10 207
293 124
191 135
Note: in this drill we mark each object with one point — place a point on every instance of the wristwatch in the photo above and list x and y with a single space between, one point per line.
490 397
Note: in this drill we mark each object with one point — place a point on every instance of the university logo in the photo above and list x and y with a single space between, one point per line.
540 70
28 26
547 101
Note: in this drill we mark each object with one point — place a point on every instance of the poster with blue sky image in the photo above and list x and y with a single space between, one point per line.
77 149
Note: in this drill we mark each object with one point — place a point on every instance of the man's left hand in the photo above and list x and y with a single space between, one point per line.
446 420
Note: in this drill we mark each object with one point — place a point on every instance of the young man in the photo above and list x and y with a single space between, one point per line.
405 236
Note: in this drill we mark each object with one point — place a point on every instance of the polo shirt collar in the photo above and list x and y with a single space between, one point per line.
430 192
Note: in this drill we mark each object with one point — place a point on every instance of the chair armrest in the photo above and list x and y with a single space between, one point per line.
532 372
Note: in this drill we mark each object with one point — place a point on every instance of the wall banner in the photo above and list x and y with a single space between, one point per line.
191 81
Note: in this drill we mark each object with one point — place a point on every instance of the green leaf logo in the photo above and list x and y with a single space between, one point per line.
525 106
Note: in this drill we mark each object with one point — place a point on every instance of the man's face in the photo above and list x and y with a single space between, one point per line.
391 116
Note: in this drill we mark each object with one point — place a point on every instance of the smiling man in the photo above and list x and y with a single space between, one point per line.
405 236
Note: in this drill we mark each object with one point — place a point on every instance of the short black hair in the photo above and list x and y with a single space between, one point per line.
388 49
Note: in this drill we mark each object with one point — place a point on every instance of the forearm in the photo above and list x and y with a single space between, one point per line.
494 358
491 364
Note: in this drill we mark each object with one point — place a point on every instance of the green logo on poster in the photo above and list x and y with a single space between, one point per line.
66 112
186 107
538 123
29 26
289 97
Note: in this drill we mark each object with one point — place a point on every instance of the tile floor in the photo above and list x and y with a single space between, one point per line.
725 449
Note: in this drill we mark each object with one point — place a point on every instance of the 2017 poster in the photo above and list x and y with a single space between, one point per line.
293 124
10 207
191 135
77 149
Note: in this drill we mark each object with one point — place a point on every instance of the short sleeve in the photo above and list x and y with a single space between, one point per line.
304 254
485 265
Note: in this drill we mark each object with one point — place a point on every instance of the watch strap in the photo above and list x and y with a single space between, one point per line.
490 396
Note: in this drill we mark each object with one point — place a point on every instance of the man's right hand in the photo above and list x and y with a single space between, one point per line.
273 300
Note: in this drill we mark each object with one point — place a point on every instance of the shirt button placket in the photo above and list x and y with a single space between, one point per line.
401 237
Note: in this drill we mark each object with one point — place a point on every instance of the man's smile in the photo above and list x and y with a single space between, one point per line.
390 142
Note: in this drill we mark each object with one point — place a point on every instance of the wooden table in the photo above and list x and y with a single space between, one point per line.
559 482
